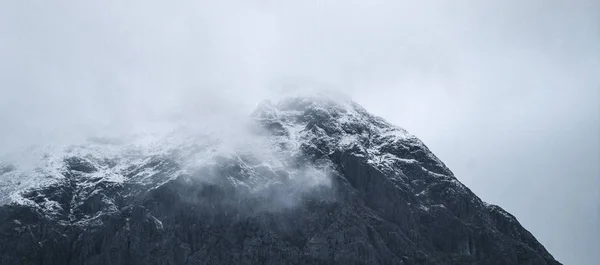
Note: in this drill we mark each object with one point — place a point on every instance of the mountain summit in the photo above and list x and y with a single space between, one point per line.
311 180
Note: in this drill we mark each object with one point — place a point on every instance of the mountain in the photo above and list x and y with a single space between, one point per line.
310 180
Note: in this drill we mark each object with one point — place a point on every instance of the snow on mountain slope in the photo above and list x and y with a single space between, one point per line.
323 127
98 158
141 159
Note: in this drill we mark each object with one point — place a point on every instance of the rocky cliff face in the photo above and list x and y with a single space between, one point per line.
320 182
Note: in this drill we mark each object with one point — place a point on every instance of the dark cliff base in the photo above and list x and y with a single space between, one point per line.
363 219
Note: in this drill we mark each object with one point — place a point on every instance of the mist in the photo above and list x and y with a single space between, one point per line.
506 93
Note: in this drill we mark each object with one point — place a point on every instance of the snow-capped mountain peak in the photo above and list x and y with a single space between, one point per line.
308 180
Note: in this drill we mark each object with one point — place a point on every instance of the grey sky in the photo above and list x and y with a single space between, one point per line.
507 93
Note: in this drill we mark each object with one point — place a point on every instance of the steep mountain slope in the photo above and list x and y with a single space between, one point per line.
321 181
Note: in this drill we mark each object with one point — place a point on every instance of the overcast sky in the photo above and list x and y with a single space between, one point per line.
506 93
